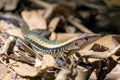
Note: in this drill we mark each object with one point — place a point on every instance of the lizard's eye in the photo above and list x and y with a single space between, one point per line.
86 39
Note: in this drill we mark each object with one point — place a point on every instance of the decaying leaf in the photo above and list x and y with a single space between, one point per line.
23 57
10 5
11 29
34 20
3 71
114 74
53 36
38 62
2 39
24 69
47 62
70 29
53 24
65 36
7 76
79 26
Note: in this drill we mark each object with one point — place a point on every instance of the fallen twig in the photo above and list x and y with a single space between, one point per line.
41 3
79 26
8 47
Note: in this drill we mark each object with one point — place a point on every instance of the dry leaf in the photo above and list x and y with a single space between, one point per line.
2 39
65 36
53 24
23 57
49 11
53 36
41 11
70 29
79 26
38 62
10 29
3 71
116 40
114 74
48 62
23 69
10 5
7 76
34 19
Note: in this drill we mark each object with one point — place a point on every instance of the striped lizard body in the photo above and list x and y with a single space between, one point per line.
44 46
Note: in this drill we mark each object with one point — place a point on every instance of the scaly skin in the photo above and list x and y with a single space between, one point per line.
44 46
40 43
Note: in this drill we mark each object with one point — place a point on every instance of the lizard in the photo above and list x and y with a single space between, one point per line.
44 46
41 45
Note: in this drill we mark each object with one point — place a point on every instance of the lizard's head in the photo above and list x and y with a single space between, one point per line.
80 43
